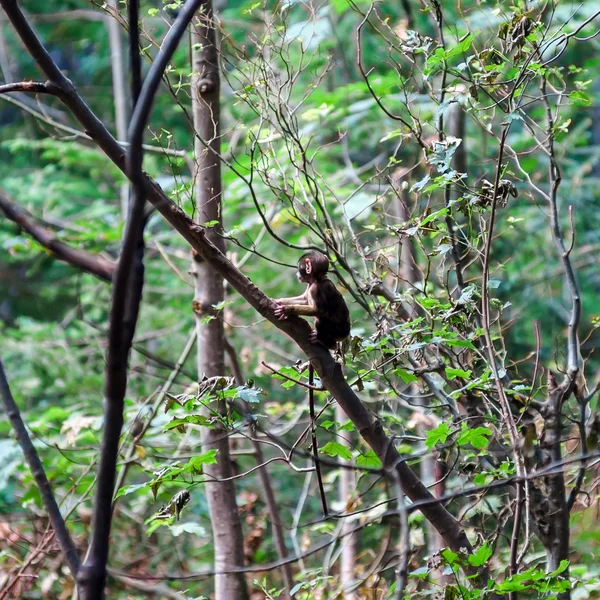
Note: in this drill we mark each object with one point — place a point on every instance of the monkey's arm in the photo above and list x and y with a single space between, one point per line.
284 304
283 310
306 310
296 300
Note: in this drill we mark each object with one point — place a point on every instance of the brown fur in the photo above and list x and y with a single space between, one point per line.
321 300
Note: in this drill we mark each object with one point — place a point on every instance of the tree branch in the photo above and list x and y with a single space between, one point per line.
37 470
90 263
37 87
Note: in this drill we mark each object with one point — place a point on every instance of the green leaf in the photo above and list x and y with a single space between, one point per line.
481 478
421 572
461 47
429 303
438 435
369 460
337 449
222 305
405 375
480 556
250 395
433 216
180 424
562 567
55 413
454 373
477 437
460 344
340 6
298 587
449 556
130 489
510 585
580 98
208 458
155 524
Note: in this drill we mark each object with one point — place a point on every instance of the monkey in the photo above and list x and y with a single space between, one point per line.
321 300
332 324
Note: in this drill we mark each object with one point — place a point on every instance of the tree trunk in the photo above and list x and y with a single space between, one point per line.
115 40
265 481
552 514
455 127
346 490
410 274
225 521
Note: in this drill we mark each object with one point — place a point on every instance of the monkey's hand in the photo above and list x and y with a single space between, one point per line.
280 311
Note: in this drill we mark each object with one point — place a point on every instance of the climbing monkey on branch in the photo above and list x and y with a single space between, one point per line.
332 324
321 300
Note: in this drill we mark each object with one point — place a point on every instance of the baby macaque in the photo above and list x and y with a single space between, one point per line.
321 300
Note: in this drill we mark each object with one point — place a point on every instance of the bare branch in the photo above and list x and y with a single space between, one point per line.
90 263
555 178
37 470
36 87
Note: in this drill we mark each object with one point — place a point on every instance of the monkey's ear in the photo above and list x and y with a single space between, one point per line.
308 266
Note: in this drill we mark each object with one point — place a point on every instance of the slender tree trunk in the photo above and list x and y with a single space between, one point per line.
265 481
226 525
408 266
552 514
410 274
115 40
455 127
346 491
596 125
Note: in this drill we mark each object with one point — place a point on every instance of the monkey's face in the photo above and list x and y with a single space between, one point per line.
303 277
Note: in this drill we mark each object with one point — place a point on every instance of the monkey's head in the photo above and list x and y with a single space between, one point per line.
312 267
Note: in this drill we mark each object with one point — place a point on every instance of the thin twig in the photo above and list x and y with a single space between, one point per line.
308 386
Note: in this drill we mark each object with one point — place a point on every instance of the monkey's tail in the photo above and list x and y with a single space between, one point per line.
311 407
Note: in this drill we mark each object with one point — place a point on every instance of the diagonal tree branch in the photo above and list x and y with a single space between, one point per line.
90 263
37 470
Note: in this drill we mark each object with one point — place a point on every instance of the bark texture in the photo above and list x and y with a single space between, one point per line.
225 521
346 494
